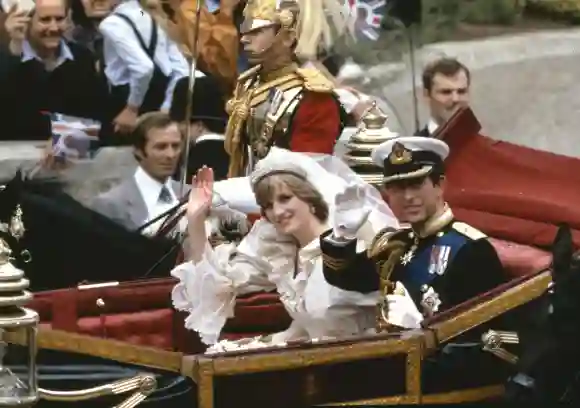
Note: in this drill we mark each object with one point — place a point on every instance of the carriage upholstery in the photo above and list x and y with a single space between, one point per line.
520 260
140 312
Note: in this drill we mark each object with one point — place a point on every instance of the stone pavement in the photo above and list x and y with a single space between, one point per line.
525 90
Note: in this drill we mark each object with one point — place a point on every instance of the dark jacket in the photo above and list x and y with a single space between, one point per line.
457 266
29 92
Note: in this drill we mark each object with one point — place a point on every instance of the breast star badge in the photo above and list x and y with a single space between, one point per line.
407 257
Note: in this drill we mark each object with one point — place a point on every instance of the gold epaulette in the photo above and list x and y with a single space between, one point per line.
315 81
468 230
381 239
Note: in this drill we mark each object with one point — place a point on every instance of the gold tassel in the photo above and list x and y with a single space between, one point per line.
395 250
239 110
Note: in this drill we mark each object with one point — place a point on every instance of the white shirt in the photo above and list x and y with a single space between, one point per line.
28 54
127 62
432 126
150 190
262 261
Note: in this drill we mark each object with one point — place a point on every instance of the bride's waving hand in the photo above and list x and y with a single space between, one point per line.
198 207
200 195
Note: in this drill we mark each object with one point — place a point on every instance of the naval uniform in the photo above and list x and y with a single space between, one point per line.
455 260
444 264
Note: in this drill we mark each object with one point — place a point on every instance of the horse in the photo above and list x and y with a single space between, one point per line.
66 243
548 370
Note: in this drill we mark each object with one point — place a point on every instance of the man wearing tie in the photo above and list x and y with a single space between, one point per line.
446 84
150 191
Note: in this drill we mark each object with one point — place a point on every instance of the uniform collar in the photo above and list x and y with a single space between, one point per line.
150 188
28 53
266 77
436 223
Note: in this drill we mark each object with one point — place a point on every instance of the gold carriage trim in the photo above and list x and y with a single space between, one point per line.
334 263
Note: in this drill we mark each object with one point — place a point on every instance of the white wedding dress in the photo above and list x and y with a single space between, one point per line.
266 260
208 289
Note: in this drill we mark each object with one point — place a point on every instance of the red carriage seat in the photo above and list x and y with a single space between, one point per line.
520 260
141 313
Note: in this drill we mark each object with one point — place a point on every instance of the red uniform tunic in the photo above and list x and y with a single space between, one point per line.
294 108
316 125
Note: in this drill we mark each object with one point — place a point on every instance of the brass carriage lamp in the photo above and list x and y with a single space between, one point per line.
18 342
18 329
371 132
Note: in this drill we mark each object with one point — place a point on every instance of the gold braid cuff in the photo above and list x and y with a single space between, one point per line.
334 263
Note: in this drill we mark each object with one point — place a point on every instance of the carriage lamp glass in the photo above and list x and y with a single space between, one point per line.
18 328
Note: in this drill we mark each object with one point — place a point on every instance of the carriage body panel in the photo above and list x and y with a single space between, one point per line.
134 323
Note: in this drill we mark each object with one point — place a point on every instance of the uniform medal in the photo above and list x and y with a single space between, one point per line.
407 257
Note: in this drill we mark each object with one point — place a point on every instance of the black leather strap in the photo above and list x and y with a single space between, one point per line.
150 50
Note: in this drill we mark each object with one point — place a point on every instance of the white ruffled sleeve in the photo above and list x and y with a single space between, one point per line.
208 289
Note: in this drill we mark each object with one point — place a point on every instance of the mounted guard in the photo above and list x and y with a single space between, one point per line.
278 102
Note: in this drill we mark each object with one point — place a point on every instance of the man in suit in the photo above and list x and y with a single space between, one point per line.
207 122
151 191
157 143
446 84
432 265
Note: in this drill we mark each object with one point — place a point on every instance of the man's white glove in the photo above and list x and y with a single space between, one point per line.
351 211
401 310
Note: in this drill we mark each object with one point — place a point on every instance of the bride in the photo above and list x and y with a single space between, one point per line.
299 200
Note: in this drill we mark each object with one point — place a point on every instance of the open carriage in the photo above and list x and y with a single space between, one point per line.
134 324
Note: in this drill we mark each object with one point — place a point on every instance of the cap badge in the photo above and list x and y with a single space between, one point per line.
400 154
